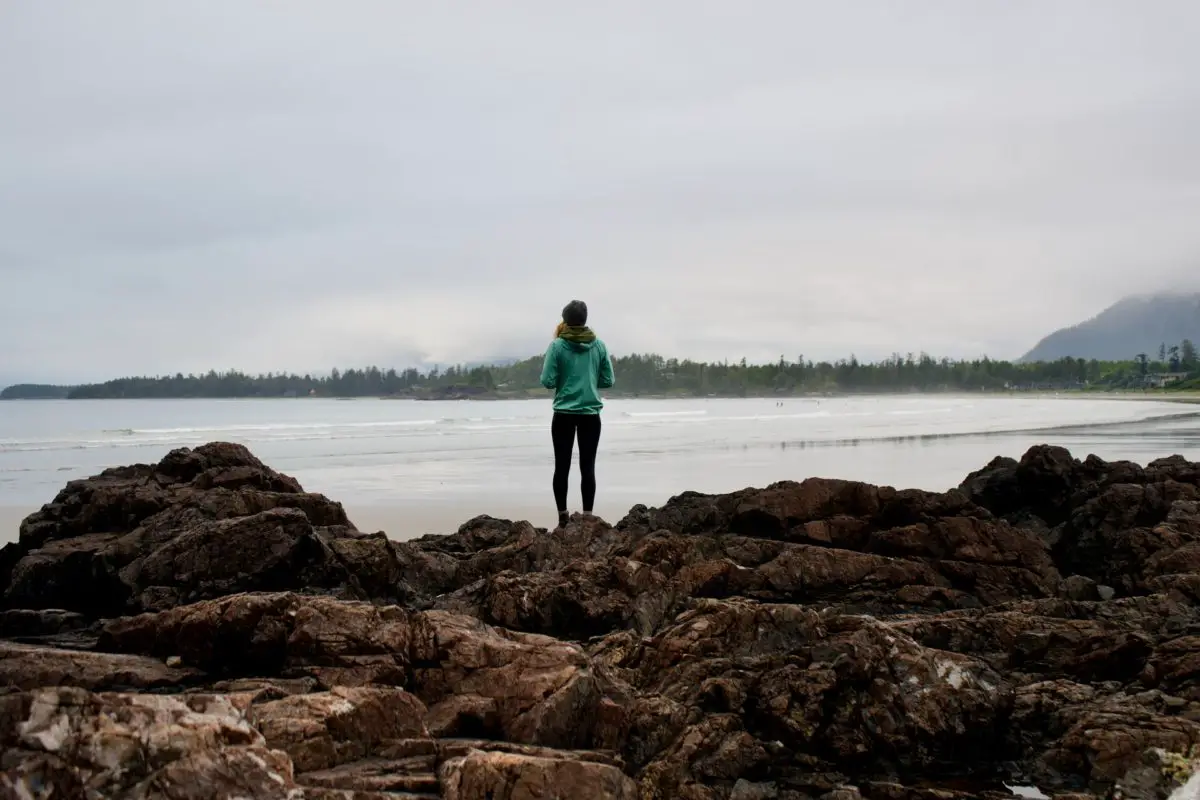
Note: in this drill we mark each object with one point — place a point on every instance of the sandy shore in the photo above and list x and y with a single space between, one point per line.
399 523
10 522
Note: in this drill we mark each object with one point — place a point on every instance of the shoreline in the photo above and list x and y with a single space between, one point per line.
415 516
1165 396
10 522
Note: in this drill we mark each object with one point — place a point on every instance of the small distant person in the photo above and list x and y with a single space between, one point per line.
576 368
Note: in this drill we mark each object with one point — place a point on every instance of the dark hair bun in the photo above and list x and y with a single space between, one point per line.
575 313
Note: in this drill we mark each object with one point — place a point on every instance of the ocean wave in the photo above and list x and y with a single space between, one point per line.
251 436
768 417
667 414
922 411
1108 423
287 426
836 422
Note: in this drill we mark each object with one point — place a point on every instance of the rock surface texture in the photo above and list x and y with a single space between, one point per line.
203 628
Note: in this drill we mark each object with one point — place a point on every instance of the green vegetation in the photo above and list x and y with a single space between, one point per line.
35 391
652 375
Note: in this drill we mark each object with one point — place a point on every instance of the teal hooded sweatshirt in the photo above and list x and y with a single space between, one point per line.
576 368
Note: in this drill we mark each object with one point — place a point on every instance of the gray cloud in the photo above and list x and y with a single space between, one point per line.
291 185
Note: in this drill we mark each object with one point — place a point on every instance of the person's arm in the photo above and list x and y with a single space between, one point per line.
606 379
550 367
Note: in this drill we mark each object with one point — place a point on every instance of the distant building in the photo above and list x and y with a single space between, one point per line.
1161 379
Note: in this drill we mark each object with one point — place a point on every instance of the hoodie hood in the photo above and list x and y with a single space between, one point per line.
580 337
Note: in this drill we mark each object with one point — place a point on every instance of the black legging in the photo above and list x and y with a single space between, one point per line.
563 430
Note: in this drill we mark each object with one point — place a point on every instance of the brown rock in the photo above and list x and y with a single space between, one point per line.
581 600
506 776
534 688
130 745
1175 667
39 623
227 772
1160 775
379 566
382 778
541 689
751 687
1025 641
246 635
200 523
1103 744
325 729
269 551
75 573
30 667
811 639
118 500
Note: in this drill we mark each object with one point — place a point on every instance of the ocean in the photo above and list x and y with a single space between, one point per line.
413 467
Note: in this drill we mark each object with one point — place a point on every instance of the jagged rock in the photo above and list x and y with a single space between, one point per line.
30 667
578 601
413 776
324 729
411 766
522 687
541 689
741 690
1104 743
1122 537
506 776
263 690
1161 775
20 623
269 551
200 523
1022 640
378 566
1116 523
626 577
72 743
1078 587
123 499
286 634
1038 626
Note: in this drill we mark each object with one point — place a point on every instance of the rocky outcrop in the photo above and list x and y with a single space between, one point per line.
68 742
507 776
203 628
475 679
1130 528
320 730
29 667
200 523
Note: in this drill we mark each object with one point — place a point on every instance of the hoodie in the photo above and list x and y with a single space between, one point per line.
576 368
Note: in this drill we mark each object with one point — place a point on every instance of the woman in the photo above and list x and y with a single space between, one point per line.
576 368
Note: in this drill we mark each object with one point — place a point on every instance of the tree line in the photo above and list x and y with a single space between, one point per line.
650 374
1176 358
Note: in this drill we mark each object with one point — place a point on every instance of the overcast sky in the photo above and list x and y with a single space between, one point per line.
299 185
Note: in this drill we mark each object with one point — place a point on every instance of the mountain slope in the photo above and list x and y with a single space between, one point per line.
1133 325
